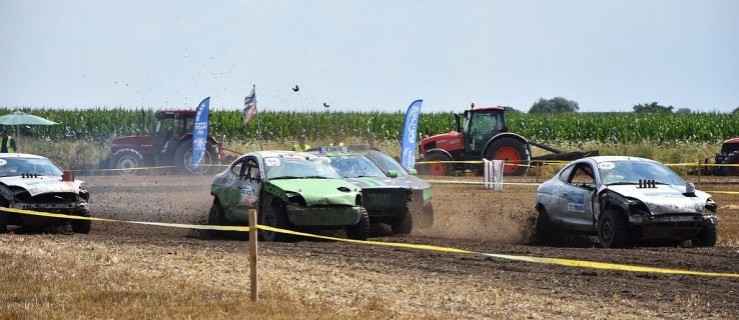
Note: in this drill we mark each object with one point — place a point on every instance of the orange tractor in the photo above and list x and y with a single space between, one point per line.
484 134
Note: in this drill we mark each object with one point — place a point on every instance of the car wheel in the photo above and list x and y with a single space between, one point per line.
544 231
183 156
359 231
513 152
126 162
274 216
612 230
437 168
403 224
706 237
427 216
216 218
81 226
3 222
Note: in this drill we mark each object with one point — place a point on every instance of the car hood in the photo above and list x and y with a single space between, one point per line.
42 184
665 199
320 191
378 182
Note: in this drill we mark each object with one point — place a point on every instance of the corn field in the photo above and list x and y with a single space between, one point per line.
100 125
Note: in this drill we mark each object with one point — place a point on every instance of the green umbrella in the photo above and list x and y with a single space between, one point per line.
20 118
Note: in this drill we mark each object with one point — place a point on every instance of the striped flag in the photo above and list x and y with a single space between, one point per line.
250 106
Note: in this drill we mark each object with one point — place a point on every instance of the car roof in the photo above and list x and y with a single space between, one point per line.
600 159
282 153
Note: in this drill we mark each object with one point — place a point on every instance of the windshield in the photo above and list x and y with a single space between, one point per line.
19 166
295 167
354 166
387 163
630 172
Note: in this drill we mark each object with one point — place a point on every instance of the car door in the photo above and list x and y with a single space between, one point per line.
576 196
245 189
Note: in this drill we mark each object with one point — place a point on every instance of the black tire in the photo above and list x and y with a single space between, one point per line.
3 222
274 216
126 162
513 152
438 169
403 224
706 237
361 230
732 158
81 226
613 230
544 230
183 155
427 216
216 218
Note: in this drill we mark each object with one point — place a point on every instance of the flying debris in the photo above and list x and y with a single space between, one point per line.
326 105
296 89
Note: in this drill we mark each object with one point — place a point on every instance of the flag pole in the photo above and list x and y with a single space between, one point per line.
259 128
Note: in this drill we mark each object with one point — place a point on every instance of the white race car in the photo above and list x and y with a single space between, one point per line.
32 182
624 199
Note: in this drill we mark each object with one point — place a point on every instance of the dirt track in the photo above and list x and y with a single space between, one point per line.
456 285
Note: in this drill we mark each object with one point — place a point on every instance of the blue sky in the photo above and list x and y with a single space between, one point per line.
369 55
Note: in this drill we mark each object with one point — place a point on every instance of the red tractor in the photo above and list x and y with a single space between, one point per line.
484 135
170 145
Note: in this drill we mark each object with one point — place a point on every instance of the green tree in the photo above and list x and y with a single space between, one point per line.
653 107
683 110
554 105
736 110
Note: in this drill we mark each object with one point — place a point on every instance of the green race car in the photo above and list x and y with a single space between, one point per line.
291 190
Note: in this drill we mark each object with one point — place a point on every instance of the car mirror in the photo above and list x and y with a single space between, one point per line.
392 173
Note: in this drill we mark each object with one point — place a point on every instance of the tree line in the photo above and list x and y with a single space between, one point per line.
562 105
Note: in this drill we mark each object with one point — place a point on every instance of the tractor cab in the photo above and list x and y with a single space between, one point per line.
172 126
481 124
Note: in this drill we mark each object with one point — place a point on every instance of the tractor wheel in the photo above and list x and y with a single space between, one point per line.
274 216
612 230
706 237
403 224
438 168
359 231
513 152
126 162
183 156
732 158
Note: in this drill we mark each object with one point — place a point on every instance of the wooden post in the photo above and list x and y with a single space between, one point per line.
699 172
253 254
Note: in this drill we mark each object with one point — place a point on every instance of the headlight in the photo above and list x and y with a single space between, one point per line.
711 206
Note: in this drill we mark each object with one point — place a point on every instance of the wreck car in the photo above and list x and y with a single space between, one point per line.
290 190
385 198
35 183
421 206
622 200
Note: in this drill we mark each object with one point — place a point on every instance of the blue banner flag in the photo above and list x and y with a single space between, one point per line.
200 133
410 133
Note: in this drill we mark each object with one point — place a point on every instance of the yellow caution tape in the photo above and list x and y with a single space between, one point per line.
557 261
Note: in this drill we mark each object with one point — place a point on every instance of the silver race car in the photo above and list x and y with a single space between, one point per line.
624 199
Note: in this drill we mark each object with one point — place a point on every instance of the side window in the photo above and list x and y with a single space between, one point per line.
252 169
566 174
236 168
583 176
